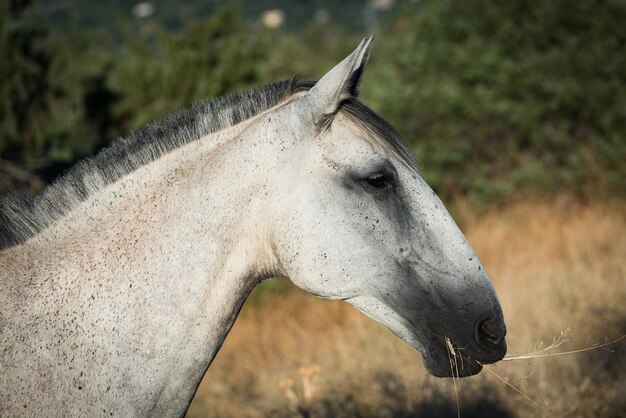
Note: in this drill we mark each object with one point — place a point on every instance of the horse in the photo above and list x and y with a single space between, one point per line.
121 280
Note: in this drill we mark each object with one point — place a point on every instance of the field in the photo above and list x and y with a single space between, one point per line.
558 267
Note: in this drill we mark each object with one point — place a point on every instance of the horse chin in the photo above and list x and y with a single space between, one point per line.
441 365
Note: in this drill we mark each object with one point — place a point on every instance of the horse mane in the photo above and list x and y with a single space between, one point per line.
23 216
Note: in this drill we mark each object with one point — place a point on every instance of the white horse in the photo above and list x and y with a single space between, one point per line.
120 282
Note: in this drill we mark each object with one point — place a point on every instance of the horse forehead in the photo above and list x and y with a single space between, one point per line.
346 142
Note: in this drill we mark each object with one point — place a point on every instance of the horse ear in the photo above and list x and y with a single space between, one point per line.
323 100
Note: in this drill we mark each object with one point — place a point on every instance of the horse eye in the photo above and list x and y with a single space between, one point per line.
379 181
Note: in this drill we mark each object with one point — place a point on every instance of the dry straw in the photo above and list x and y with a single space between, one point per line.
454 368
558 341
537 352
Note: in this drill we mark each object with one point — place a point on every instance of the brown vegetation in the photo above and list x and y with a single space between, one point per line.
556 266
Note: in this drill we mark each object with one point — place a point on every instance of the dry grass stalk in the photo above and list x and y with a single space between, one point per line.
308 388
454 368
286 385
509 384
558 342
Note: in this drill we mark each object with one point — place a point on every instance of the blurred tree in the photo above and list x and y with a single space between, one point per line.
309 53
167 70
509 96
23 77
496 99
52 112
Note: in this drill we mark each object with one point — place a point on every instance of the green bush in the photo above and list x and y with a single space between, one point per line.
54 101
496 99
499 97
168 70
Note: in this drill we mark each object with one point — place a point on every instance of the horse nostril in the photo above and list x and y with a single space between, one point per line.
490 332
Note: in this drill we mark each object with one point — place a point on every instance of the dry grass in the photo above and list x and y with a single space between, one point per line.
555 266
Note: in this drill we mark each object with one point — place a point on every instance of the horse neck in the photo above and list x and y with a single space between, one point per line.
147 276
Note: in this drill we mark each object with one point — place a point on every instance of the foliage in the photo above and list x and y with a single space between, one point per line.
54 100
501 96
495 99
167 70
